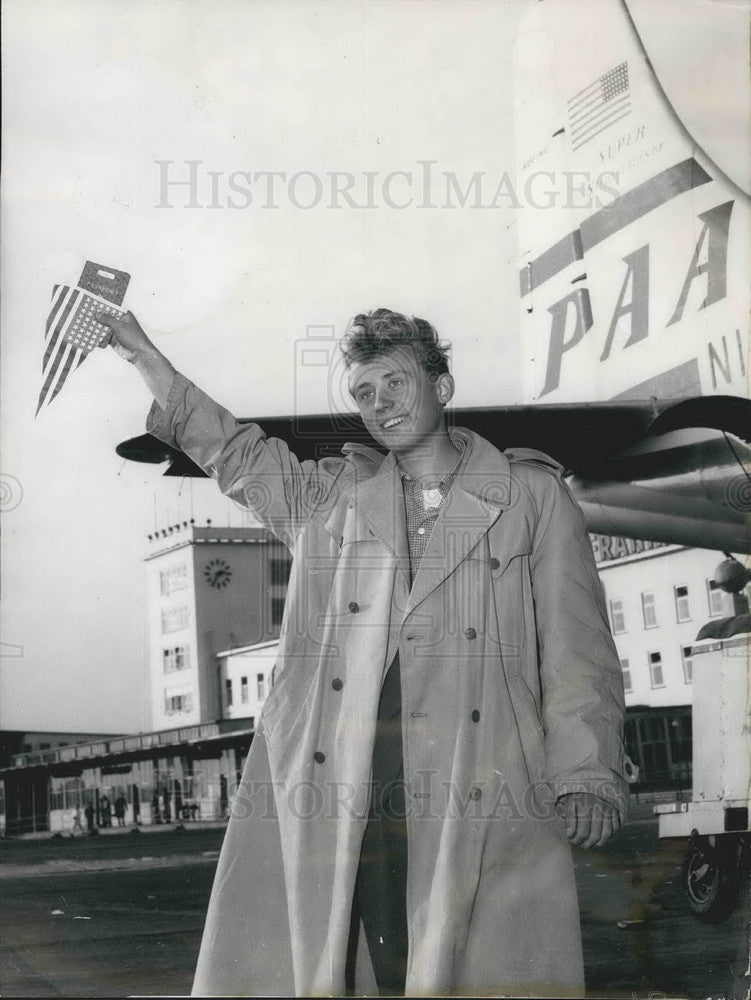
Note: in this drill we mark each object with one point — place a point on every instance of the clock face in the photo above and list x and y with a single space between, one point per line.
218 573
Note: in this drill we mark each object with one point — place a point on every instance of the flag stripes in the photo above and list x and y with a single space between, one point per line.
58 316
59 354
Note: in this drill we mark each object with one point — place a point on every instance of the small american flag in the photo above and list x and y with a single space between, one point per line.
600 105
71 334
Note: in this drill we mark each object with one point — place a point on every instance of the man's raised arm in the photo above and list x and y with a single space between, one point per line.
132 344
257 472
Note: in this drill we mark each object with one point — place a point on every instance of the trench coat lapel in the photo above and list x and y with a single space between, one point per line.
475 502
379 503
461 524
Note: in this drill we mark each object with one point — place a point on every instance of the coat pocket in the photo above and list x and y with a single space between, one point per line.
529 722
506 543
498 557
528 699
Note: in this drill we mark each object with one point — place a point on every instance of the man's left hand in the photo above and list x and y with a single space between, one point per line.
590 820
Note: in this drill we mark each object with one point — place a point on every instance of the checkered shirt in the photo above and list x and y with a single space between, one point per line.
420 521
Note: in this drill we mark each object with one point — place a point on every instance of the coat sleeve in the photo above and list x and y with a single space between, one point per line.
257 472
580 675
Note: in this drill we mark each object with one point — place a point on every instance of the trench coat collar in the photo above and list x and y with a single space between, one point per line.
480 493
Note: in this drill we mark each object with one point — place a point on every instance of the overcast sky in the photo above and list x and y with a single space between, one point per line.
96 94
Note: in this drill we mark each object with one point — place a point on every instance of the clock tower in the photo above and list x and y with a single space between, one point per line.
208 589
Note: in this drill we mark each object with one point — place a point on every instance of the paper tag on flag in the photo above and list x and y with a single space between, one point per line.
71 330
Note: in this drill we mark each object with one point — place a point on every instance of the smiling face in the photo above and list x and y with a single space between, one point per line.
400 404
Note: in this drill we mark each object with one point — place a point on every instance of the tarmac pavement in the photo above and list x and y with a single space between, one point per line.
122 914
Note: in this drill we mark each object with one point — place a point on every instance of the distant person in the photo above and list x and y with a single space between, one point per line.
120 808
77 826
448 715
155 814
89 814
106 808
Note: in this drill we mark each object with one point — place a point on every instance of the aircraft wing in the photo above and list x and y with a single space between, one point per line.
660 470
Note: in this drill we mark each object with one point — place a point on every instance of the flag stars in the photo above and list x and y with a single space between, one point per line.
84 331
615 82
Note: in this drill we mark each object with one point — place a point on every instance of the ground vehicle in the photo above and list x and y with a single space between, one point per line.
716 821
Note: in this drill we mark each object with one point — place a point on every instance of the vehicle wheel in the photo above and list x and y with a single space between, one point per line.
710 878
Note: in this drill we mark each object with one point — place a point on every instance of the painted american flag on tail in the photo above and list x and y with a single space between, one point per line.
600 105
71 334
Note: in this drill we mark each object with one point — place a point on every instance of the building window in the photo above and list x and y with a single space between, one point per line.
179 699
648 610
172 579
260 686
714 598
626 671
617 620
280 570
175 658
244 690
277 610
175 618
688 665
228 691
682 610
655 670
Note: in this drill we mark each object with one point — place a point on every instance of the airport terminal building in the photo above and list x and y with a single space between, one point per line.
658 597
215 598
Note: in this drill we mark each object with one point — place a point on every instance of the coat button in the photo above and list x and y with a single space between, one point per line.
476 793
337 684
495 563
354 607
319 757
470 633
475 715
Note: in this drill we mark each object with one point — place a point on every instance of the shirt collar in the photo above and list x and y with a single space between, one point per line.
445 483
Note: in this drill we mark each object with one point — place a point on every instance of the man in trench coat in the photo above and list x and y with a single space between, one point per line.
510 693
